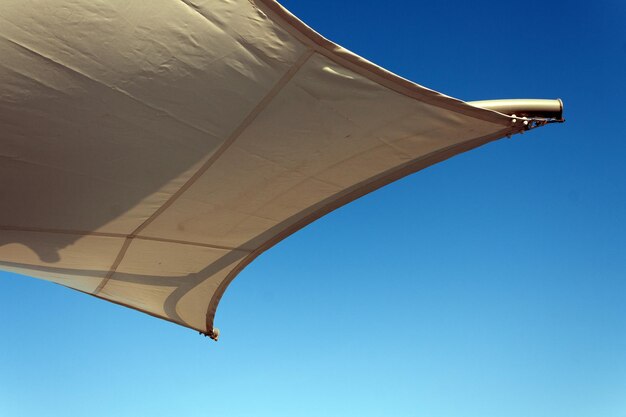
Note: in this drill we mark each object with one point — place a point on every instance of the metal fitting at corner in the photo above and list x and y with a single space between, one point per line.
530 109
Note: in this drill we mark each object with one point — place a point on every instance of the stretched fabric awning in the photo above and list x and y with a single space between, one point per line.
150 150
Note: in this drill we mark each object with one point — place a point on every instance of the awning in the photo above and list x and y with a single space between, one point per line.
151 150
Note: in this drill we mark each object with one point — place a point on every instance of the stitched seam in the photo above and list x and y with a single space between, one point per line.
116 263
236 133
118 236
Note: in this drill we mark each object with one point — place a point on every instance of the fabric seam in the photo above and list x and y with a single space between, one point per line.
119 236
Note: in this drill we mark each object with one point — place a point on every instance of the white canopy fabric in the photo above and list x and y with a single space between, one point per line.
150 150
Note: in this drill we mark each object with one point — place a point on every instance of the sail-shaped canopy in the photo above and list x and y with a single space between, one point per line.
150 150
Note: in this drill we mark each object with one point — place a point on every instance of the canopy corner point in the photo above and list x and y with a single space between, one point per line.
214 333
531 113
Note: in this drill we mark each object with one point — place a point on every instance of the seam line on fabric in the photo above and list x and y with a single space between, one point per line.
231 139
119 236
116 263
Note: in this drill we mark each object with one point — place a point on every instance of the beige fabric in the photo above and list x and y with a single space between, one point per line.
151 150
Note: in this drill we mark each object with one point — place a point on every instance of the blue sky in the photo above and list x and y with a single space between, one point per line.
493 284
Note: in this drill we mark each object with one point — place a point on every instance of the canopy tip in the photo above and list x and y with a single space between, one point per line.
548 109
214 333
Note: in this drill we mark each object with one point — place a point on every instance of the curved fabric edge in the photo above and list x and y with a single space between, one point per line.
348 196
370 70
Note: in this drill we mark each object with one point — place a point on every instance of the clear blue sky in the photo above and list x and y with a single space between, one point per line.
490 285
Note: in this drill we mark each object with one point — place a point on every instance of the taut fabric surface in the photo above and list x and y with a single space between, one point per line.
150 150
